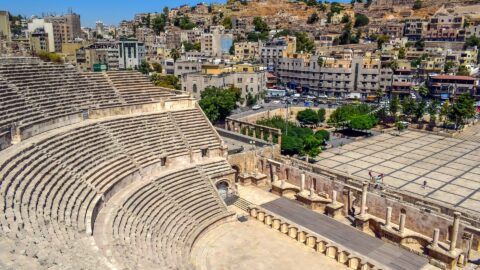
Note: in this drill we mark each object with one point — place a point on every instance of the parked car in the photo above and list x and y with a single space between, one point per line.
258 107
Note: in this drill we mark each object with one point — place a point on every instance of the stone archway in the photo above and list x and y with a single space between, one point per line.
222 188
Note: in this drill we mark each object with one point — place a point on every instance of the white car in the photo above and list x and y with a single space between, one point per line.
257 107
276 102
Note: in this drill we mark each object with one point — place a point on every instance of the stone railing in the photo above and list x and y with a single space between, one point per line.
312 240
259 131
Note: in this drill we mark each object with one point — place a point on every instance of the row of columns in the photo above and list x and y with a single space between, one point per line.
236 126
403 218
436 231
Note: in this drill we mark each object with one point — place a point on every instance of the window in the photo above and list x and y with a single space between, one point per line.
204 152
163 161
239 80
194 88
251 80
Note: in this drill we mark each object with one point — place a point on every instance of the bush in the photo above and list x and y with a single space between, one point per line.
50 57
361 20
418 4
323 135
307 117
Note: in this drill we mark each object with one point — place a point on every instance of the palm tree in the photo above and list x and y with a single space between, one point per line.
175 54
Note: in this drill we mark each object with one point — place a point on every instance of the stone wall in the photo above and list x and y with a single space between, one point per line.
418 219
292 114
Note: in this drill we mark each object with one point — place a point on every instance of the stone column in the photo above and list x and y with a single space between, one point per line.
262 135
302 177
363 209
334 196
227 124
456 224
270 137
436 235
401 226
279 139
388 218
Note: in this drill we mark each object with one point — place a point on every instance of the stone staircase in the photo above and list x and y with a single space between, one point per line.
238 202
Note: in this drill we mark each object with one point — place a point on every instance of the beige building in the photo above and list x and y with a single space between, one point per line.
359 76
247 51
216 43
251 79
272 51
5 32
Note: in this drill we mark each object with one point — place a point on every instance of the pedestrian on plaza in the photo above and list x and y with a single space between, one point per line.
424 184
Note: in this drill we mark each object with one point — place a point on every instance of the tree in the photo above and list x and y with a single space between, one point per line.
461 110
291 145
159 23
184 23
449 66
313 18
304 43
423 91
394 106
191 46
345 19
473 41
311 147
165 12
408 107
251 100
254 36
144 67
322 135
321 115
50 57
320 61
166 81
218 103
444 111
432 111
363 122
379 94
260 25
227 23
307 117
175 54
393 65
420 44
420 109
417 5
401 53
361 20
382 39
283 33
463 71
157 67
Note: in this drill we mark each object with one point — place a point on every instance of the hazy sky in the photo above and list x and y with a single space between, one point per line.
108 11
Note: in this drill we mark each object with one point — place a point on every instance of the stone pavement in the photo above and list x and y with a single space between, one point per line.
252 245
471 133
450 166
351 238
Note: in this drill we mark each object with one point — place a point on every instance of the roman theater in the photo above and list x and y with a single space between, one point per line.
107 171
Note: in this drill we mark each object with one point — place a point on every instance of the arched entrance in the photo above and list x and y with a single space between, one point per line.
222 188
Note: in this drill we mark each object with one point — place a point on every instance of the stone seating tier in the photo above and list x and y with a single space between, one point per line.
34 92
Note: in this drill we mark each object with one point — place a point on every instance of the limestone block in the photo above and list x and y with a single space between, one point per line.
301 236
284 228
253 212
353 262
261 216
276 224
311 241
268 220
331 252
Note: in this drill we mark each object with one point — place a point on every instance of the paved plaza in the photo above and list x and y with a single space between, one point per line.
450 166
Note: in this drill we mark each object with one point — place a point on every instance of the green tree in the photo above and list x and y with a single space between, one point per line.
444 111
144 67
473 41
227 23
291 145
463 71
417 5
449 66
379 94
401 53
157 67
165 12
420 44
320 61
382 39
304 43
251 100
313 18
408 107
218 103
321 115
166 81
363 122
393 65
394 106
307 117
260 25
184 23
345 19
432 111
311 147
191 46
322 135
159 23
361 20
50 57
423 91
175 54
420 109
283 33
462 110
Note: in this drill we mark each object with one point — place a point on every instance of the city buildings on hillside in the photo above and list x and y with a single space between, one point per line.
92 57
5 32
272 51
